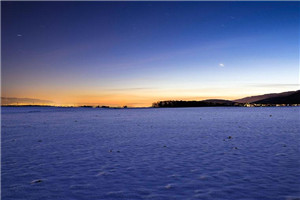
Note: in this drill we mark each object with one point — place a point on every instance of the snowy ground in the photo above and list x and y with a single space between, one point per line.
178 153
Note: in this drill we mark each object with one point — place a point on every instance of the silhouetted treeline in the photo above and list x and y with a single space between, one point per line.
167 104
85 106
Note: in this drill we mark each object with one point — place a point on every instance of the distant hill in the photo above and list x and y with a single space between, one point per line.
205 103
259 98
291 98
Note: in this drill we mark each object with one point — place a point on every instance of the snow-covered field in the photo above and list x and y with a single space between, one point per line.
178 153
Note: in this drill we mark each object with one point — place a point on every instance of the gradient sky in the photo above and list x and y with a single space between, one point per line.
136 53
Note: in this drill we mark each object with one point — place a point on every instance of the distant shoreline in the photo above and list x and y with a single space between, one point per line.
95 107
290 98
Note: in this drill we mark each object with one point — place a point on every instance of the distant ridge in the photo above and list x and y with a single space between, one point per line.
259 98
284 99
293 98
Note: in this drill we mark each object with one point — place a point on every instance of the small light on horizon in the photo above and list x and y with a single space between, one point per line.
19 35
221 65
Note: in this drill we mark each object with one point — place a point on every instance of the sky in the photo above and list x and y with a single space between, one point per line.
136 53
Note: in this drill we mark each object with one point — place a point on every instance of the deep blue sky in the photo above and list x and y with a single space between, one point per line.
137 52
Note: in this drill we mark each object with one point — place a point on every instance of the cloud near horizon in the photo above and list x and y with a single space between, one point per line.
277 85
24 101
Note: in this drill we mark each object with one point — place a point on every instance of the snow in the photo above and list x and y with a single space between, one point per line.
160 153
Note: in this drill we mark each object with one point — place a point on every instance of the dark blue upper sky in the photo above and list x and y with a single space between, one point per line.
171 49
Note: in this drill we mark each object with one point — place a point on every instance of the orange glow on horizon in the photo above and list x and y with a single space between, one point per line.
116 101
130 98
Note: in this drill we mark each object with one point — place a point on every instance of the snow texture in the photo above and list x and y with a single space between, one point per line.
160 153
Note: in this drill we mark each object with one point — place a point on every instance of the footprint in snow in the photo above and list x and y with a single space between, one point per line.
36 181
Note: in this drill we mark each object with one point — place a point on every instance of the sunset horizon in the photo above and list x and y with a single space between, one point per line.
147 103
